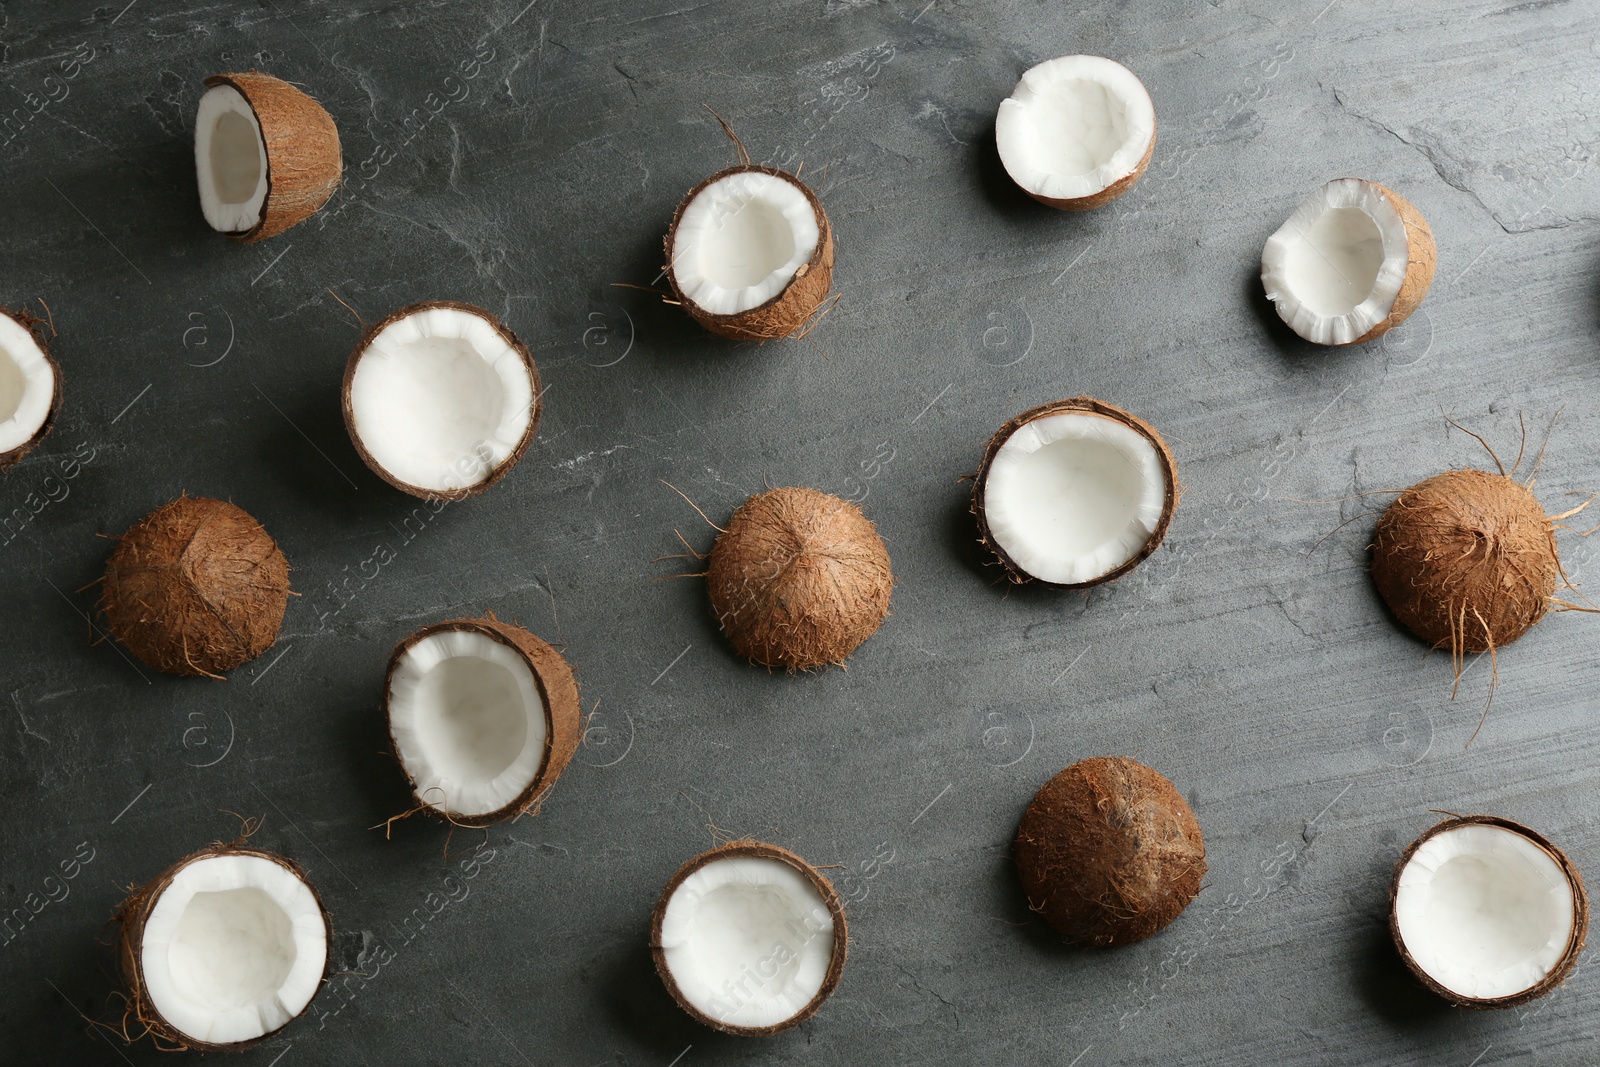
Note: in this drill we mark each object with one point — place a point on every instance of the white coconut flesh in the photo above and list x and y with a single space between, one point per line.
1484 911
440 399
468 721
1072 497
1335 268
748 941
27 385
230 157
1074 126
233 949
740 241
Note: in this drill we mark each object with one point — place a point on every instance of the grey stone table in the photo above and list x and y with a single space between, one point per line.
526 157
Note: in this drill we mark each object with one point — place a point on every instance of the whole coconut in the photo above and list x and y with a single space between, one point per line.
799 579
196 587
1466 560
1109 852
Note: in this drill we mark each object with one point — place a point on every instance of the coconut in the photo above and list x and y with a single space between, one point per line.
1466 560
30 386
223 949
1486 913
1076 132
1353 262
266 155
799 579
750 254
1109 852
483 717
196 587
441 399
749 938
1074 493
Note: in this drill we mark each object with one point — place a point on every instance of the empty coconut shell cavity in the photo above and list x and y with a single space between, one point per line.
749 938
750 254
30 386
266 155
1487 913
799 579
483 717
1077 132
196 587
1466 560
1352 262
223 949
1074 493
1109 852
441 399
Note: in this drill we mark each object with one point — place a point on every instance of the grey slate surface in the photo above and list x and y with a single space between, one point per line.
1249 660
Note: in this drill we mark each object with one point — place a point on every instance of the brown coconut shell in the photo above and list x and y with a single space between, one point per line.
563 714
1466 560
304 160
1563 966
1078 405
755 850
131 916
1109 193
516 453
32 324
796 304
1109 852
799 579
1422 258
196 587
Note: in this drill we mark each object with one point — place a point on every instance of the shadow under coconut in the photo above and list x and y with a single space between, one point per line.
665 328
961 538
363 739
306 447
1385 985
633 1000
1022 923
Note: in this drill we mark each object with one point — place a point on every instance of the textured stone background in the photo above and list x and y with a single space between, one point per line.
1249 659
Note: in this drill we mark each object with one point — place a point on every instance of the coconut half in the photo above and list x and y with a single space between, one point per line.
483 717
266 155
30 386
1076 132
441 399
1109 852
799 579
749 938
223 948
1353 262
1074 493
750 254
1487 913
196 587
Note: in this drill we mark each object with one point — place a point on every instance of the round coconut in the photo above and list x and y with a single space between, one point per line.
1466 560
208 941
557 692
196 587
799 298
1495 893
838 944
304 163
469 427
1146 510
799 579
1109 852
27 334
1352 262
